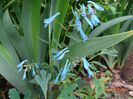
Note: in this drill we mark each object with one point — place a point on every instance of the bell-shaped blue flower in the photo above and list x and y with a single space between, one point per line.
20 65
98 7
65 70
49 20
94 20
59 55
86 65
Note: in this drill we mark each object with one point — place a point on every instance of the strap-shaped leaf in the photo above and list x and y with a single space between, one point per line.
94 45
43 81
108 24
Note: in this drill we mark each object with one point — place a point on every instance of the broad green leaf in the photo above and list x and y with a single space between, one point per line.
67 91
43 81
61 6
31 25
13 94
93 45
107 25
14 36
9 71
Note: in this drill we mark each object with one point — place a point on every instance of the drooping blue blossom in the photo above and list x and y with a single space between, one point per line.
33 71
49 20
24 75
90 10
59 55
98 7
86 65
94 20
84 15
57 78
20 65
79 28
83 35
65 70
83 10
77 21
89 22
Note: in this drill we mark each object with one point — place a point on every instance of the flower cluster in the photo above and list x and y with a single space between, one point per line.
25 66
93 21
63 71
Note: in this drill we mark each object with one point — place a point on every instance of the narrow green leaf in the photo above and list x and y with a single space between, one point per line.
94 45
108 24
31 25
61 7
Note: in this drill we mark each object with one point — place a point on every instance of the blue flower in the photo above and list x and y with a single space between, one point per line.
24 75
33 71
98 7
20 65
86 65
90 10
64 72
77 21
94 20
83 35
49 20
60 54
57 78
83 10
89 22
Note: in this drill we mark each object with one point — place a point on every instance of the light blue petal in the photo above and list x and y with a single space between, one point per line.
84 37
57 78
90 10
22 63
77 21
94 20
49 20
62 55
58 54
86 64
83 10
89 22
90 73
64 72
20 68
98 7
24 75
33 72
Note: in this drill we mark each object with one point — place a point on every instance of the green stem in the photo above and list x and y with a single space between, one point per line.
8 4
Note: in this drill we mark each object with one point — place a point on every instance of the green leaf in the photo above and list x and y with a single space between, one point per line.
94 45
31 25
43 81
9 71
67 92
13 94
61 6
107 25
